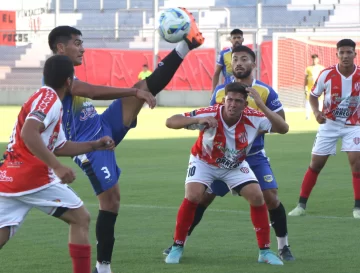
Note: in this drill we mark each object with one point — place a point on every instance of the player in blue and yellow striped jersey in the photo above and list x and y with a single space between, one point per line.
243 63
223 63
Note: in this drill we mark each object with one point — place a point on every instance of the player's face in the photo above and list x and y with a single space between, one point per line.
316 61
73 49
236 40
242 65
346 56
235 104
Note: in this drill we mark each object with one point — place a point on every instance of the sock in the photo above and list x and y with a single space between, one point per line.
182 49
356 187
81 258
260 220
184 219
307 186
278 222
198 216
103 268
105 226
163 74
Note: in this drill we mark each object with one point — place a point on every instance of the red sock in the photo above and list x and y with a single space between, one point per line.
184 219
356 185
308 183
260 220
81 258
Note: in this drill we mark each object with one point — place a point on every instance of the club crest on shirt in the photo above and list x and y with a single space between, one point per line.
243 137
88 111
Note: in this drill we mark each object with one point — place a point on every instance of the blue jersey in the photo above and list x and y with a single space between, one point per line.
224 60
270 98
80 120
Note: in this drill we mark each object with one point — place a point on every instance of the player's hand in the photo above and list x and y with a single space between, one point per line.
66 174
104 143
255 95
209 122
320 117
146 96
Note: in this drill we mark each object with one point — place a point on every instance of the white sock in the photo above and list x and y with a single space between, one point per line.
182 49
282 241
103 268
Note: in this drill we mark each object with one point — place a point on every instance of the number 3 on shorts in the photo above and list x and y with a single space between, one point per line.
106 171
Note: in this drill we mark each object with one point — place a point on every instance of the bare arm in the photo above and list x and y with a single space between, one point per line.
314 102
180 122
305 81
30 134
79 148
215 80
279 125
99 92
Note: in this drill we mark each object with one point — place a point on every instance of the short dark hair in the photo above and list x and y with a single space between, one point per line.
236 87
61 34
314 56
236 31
244 49
57 70
346 42
145 65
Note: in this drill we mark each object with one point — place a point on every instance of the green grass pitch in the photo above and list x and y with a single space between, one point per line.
153 160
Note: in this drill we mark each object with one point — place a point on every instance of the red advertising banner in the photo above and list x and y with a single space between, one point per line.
121 68
7 27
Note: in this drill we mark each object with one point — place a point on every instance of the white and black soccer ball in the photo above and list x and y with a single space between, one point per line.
174 23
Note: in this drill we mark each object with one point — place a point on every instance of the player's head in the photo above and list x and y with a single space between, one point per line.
346 52
315 59
59 72
66 40
236 37
145 67
242 62
235 99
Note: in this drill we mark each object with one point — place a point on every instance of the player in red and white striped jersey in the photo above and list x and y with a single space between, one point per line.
226 134
340 118
30 174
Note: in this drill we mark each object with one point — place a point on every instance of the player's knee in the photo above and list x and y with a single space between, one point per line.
207 199
271 199
256 199
317 163
110 199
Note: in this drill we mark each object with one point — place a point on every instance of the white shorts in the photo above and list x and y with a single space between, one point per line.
201 172
13 210
330 132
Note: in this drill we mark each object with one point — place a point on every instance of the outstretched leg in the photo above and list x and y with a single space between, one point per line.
162 75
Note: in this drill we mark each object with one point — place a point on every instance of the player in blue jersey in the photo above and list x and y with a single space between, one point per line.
243 63
82 122
223 63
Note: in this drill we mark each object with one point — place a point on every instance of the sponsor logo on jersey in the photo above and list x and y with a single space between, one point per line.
4 177
38 114
342 112
225 163
268 178
276 102
88 111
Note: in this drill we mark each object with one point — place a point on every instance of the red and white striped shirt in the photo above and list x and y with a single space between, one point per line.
341 95
223 146
20 171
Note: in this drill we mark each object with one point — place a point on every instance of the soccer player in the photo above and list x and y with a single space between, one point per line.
226 135
30 174
243 63
223 64
82 122
311 74
340 85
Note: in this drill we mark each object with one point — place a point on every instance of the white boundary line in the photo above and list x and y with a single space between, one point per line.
143 206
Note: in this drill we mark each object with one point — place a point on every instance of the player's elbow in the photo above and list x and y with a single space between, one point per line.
170 123
283 129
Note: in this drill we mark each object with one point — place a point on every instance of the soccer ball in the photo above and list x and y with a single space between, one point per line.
174 23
